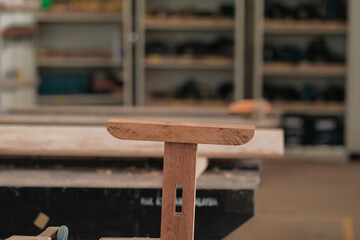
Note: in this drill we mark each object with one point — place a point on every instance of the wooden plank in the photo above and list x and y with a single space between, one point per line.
68 17
123 110
190 24
309 27
95 141
49 232
70 119
138 178
77 62
280 69
80 141
308 108
179 168
180 132
15 237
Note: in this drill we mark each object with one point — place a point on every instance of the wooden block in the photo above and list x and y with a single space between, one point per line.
41 220
179 168
180 132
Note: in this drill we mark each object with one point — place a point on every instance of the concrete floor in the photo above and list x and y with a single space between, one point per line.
306 201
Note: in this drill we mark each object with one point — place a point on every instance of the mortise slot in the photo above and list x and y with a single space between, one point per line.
178 199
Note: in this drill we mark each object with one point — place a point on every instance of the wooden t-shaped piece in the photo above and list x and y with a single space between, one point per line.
180 153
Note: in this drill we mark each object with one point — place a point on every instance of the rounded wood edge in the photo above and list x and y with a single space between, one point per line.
235 134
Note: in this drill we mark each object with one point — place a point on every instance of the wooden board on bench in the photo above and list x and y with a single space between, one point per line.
95 141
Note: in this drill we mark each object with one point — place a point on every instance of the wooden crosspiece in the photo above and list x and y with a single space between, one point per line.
180 162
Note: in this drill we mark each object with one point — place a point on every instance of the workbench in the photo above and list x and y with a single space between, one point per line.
69 168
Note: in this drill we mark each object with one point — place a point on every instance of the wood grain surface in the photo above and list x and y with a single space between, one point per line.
180 132
95 141
94 119
179 168
72 178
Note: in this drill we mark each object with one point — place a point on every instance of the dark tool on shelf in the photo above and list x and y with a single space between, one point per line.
318 51
225 91
192 48
181 163
309 93
157 47
222 46
227 10
277 11
306 12
334 94
192 89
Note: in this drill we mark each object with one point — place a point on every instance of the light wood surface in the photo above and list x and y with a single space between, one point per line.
179 168
95 141
180 132
201 165
71 119
137 178
49 232
15 237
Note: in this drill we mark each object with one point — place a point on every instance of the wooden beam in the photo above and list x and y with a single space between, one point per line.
179 169
95 141
180 132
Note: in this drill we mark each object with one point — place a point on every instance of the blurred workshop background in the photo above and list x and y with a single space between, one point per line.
301 56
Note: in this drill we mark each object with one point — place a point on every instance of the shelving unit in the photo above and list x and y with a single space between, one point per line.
91 35
304 73
164 73
18 78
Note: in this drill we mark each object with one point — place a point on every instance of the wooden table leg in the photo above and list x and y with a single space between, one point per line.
179 169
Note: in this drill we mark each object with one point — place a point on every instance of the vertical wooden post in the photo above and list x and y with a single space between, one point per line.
179 168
